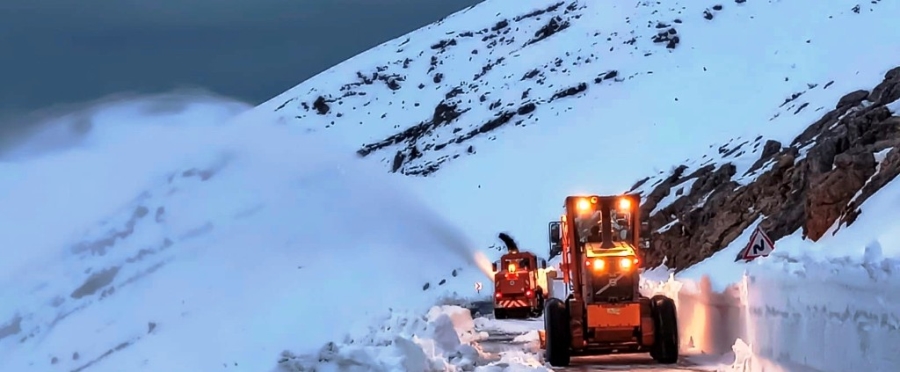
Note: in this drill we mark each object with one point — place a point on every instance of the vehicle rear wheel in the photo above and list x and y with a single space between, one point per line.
665 321
556 329
539 309
500 314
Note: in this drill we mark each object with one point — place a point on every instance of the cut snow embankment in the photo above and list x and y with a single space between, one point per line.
796 315
833 305
442 340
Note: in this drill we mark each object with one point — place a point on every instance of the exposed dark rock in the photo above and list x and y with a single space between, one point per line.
487 68
556 24
443 113
816 184
551 8
11 327
606 76
669 37
443 44
581 87
95 282
320 106
852 99
889 89
526 108
531 74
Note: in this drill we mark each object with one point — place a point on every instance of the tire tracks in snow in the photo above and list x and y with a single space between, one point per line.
500 341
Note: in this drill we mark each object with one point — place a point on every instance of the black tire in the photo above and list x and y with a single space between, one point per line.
539 309
556 329
500 314
665 322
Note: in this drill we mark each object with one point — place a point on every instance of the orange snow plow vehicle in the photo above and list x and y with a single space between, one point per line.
599 240
520 287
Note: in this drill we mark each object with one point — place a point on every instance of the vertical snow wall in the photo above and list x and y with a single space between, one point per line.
826 316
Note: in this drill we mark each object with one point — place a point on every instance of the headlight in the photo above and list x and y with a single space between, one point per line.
597 265
583 205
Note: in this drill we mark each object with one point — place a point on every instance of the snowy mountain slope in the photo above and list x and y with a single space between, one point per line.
783 87
216 283
815 184
727 76
242 252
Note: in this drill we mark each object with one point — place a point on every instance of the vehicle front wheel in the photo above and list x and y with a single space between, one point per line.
539 309
665 322
556 329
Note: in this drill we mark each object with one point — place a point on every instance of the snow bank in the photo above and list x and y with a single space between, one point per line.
795 315
836 315
831 305
442 340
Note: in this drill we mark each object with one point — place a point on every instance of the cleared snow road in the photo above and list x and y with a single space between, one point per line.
503 334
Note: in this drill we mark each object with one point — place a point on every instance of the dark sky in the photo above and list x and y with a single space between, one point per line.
63 51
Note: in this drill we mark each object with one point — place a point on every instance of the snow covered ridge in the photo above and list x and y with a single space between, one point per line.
449 83
419 101
731 68
817 183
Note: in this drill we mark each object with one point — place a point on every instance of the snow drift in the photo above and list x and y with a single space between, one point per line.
441 340
261 239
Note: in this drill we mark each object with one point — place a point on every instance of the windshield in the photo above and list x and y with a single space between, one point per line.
590 225
516 264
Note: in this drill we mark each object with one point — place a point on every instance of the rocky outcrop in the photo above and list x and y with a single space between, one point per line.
816 183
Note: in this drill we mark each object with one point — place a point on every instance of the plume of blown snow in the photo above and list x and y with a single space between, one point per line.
484 264
315 205
74 169
65 167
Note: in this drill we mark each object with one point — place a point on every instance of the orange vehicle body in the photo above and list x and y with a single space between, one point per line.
599 240
518 292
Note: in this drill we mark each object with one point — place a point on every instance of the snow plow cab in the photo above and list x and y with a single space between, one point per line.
599 240
519 285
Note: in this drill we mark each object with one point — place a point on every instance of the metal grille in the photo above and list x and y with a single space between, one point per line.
612 286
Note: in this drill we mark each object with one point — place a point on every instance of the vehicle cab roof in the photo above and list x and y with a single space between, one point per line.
620 249
519 254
